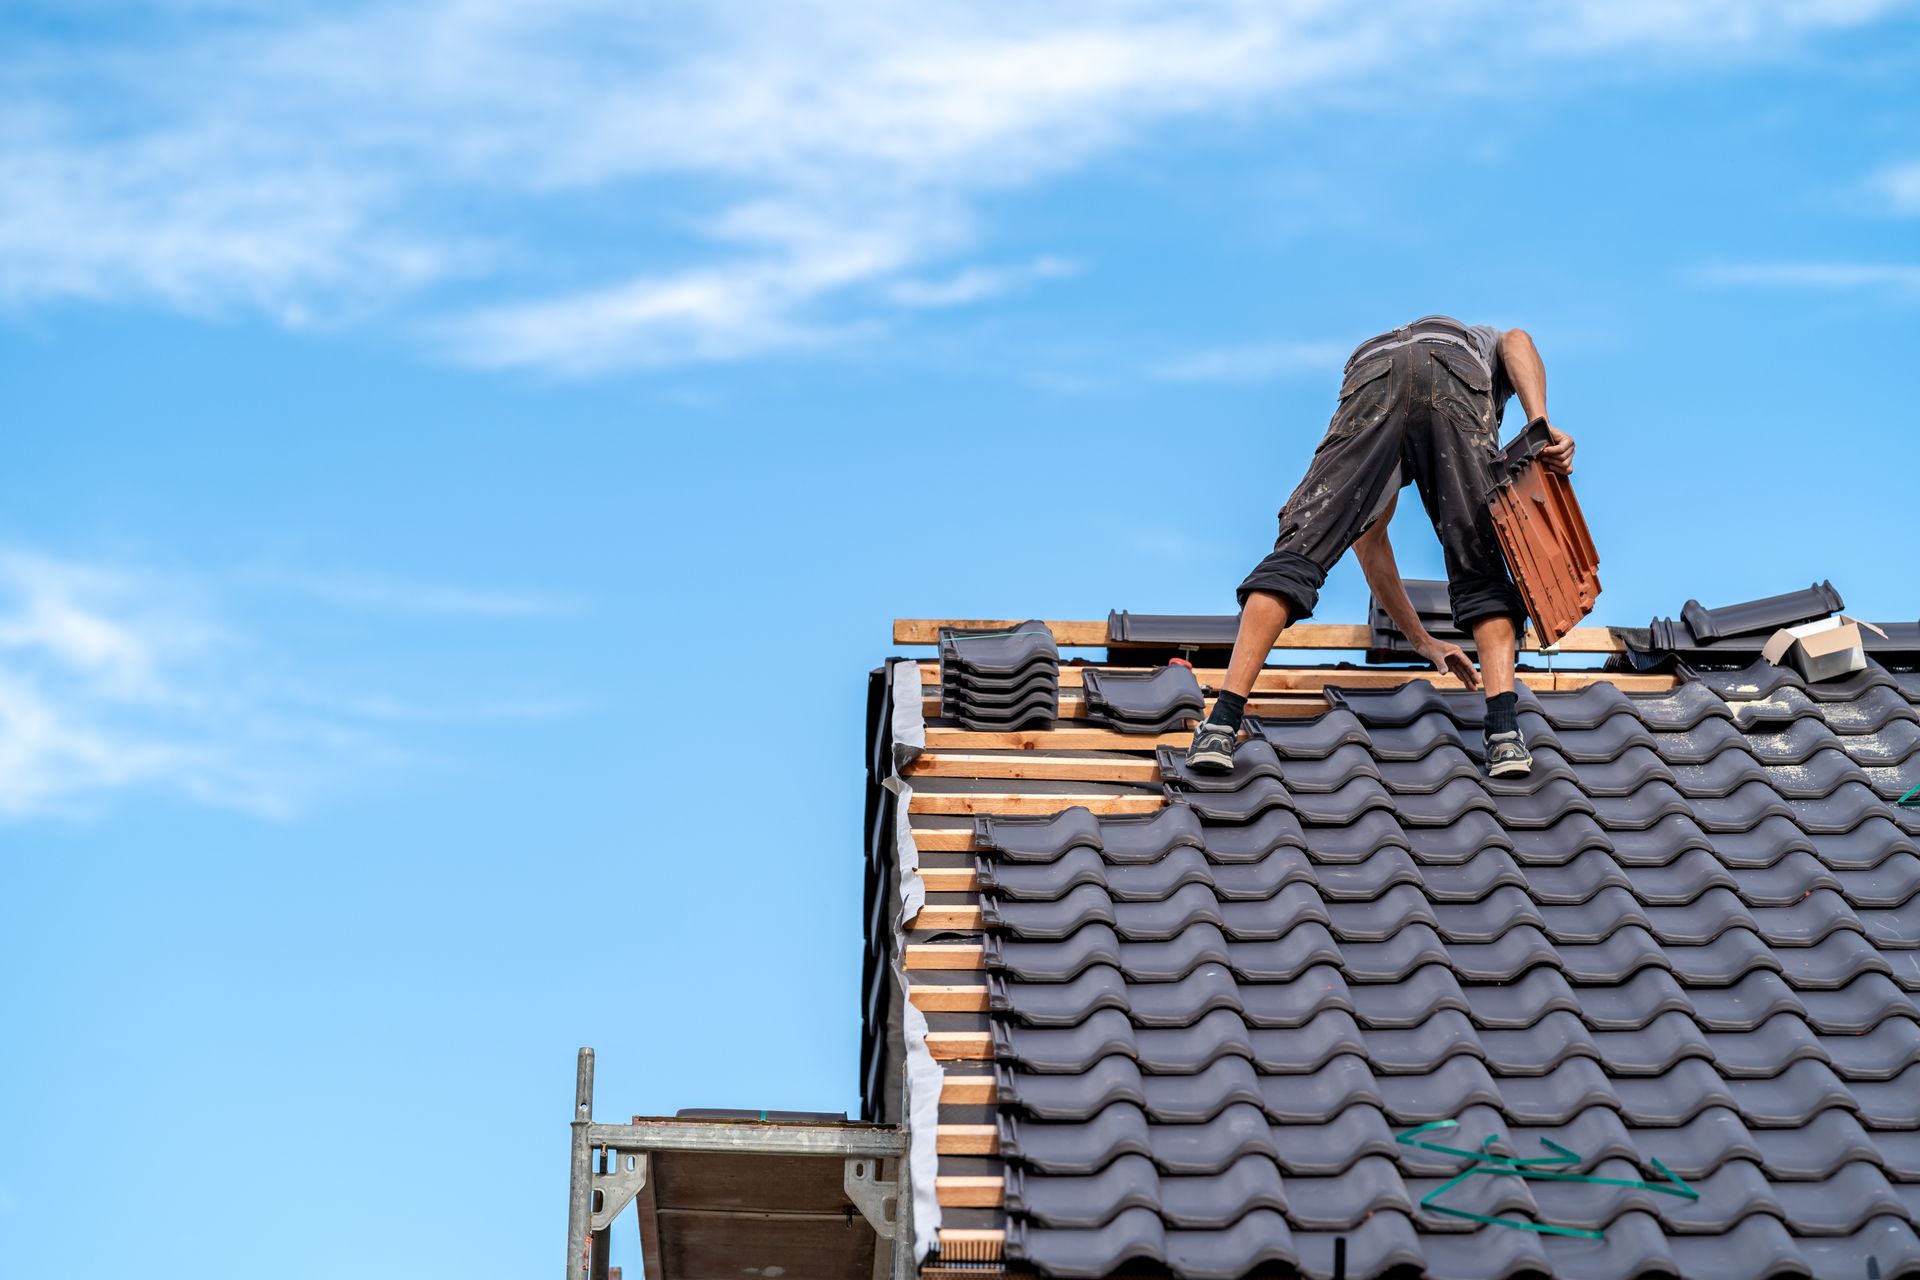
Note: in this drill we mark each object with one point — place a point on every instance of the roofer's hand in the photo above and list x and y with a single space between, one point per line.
1558 456
1449 659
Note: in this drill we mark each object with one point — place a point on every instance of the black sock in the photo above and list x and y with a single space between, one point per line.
1229 709
1503 713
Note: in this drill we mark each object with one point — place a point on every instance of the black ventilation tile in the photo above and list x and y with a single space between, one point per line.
1697 745
1472 833
1173 630
1792 742
1763 616
1815 778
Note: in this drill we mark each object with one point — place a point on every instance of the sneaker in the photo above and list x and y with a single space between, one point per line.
1507 756
1212 749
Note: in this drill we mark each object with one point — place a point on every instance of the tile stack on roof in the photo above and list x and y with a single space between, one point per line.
1154 701
1690 935
1387 643
1000 679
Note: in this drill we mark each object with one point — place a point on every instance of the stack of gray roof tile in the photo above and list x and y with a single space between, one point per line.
1000 679
1691 936
1155 701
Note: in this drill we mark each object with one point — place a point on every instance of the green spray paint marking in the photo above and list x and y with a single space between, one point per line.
1541 1168
1911 792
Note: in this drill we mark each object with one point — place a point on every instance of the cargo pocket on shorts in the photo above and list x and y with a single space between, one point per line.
1464 390
1363 397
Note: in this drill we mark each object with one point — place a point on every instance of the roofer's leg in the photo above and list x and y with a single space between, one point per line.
1452 460
1343 490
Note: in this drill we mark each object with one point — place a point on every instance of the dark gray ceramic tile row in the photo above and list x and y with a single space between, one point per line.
1692 935
1154 701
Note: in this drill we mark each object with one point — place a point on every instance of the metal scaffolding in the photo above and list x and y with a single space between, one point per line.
721 1194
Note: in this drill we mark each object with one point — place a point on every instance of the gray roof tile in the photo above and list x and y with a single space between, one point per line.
1692 934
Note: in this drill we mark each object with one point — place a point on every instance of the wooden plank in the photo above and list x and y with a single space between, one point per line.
934 998
960 1046
943 840
1021 802
973 1245
973 1090
940 915
927 630
1624 681
967 1140
946 955
969 1192
1062 738
1304 635
949 879
959 764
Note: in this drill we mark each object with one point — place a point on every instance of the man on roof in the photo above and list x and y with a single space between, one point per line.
1420 405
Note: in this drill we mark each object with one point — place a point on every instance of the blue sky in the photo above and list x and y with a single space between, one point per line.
430 432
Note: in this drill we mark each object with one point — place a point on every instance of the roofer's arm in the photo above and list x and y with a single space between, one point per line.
1383 576
1529 378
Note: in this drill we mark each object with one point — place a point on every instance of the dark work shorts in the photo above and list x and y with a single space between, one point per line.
1424 413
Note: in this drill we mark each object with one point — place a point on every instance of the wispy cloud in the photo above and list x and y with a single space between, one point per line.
367 591
1897 186
116 679
1253 362
976 284
1901 276
817 165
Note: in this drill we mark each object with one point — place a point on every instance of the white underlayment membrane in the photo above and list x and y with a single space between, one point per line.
924 1076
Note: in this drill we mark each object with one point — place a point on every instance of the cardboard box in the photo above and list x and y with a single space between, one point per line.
1821 650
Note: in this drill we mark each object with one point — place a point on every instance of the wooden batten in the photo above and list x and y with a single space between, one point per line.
940 998
967 1090
946 955
1305 635
963 803
968 1140
960 1046
945 916
970 1192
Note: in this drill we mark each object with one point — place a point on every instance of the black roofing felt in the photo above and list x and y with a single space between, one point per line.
1692 935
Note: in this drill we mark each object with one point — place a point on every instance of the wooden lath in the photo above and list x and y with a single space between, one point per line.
1304 635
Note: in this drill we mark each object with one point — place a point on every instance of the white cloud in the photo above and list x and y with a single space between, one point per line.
1818 275
1898 185
114 680
368 591
1253 362
814 163
976 284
